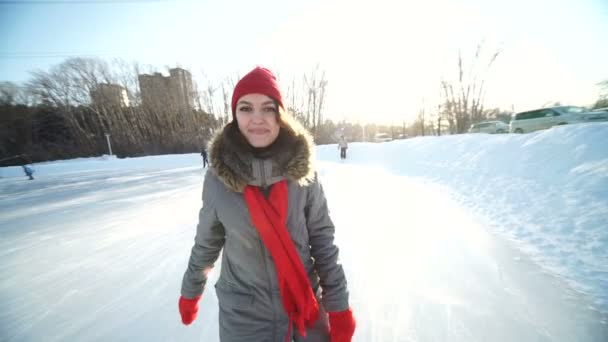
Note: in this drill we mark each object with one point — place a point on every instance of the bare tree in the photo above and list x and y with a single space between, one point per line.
322 94
310 93
421 120
227 101
603 89
49 87
125 74
228 85
12 94
316 91
464 98
602 101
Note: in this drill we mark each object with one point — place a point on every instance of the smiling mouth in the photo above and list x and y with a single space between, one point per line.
258 131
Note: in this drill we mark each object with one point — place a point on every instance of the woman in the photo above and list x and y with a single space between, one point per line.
263 205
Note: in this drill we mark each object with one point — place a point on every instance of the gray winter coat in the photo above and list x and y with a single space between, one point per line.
250 302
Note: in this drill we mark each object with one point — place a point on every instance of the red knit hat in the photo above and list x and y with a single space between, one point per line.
257 81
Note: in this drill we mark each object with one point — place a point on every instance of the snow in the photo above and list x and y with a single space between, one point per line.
470 237
547 191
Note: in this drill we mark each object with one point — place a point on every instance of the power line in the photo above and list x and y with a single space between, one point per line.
69 2
56 55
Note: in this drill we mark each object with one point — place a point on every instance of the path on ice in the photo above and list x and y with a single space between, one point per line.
100 255
422 268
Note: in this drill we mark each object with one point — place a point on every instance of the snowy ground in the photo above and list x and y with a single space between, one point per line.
460 238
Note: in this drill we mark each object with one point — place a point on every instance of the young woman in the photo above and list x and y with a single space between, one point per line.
263 205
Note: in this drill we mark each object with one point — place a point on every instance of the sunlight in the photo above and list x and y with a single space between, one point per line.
542 84
385 62
380 47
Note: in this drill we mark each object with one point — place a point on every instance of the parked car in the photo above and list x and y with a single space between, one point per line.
382 137
489 127
548 117
599 114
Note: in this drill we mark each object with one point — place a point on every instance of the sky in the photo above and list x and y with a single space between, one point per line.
94 249
384 60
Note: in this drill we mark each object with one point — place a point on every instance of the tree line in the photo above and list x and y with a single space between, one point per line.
52 115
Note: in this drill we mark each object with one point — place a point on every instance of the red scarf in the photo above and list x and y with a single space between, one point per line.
270 218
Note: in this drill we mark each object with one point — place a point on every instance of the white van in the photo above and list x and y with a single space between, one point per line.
382 137
544 118
489 127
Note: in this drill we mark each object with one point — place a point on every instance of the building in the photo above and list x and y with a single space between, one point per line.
173 92
110 95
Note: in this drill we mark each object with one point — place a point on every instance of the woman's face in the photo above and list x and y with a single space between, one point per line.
256 115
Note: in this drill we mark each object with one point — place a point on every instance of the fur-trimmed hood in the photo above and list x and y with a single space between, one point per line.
237 164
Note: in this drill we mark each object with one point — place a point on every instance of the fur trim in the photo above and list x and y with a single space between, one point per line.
291 154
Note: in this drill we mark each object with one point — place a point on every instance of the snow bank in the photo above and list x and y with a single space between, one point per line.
547 191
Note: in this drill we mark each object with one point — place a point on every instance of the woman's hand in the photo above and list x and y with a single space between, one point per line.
188 309
341 325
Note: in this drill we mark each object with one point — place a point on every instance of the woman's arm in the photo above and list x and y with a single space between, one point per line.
208 242
322 248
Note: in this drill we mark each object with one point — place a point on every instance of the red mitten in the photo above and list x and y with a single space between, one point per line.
188 308
341 325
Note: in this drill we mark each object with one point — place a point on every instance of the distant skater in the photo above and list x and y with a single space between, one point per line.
343 146
204 155
28 171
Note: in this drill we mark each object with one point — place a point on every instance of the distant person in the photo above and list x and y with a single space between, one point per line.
343 146
265 211
29 171
204 155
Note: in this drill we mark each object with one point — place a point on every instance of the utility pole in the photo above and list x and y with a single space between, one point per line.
439 120
108 141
